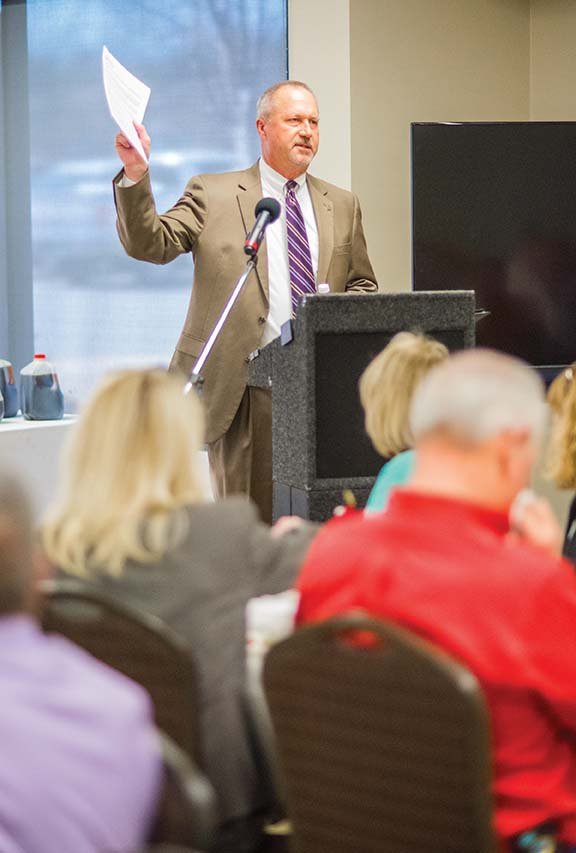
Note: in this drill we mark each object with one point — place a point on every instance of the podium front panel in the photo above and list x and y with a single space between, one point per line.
319 444
343 448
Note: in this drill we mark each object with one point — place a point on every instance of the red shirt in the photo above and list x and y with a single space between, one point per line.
448 571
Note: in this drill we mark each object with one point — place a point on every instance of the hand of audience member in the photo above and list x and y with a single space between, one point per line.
285 525
134 166
532 519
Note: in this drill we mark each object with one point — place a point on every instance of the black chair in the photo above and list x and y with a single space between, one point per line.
137 644
382 740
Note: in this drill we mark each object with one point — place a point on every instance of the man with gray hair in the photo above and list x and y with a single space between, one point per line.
317 239
467 558
80 765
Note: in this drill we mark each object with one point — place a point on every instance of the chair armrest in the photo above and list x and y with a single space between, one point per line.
187 812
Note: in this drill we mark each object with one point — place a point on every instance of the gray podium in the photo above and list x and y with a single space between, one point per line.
319 446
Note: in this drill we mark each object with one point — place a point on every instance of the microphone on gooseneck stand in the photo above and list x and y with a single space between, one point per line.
266 211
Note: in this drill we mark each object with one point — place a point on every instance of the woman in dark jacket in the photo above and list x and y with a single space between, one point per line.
130 518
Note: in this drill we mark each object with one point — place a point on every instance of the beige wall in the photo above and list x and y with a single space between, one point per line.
378 65
553 60
319 54
424 60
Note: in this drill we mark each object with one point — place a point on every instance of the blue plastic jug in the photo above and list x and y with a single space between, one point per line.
41 398
8 389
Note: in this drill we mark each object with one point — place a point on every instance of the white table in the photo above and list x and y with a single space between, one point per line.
32 450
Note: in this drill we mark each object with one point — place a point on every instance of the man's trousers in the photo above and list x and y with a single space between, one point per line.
241 460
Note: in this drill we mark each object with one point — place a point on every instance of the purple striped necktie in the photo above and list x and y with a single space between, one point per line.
302 278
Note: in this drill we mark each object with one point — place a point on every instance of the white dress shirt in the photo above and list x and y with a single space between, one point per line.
277 247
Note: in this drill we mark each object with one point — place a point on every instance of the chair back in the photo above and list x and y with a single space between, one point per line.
137 644
382 740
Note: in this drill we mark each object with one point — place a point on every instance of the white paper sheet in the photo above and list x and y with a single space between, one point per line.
127 98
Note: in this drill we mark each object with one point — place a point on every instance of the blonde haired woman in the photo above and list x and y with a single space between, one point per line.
130 519
386 390
561 462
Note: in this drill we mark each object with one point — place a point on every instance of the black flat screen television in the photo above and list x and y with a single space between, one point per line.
494 210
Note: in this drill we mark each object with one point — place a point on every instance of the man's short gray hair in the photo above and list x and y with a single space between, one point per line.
265 103
16 546
475 395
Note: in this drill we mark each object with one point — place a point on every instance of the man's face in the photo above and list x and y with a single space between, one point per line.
289 135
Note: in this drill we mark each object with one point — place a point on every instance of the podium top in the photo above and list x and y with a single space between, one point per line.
446 314
424 311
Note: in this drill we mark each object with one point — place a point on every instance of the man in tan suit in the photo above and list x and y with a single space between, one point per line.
210 221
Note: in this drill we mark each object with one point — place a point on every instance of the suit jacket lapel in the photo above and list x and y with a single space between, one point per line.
249 194
324 212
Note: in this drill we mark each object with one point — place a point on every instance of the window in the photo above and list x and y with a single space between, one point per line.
206 62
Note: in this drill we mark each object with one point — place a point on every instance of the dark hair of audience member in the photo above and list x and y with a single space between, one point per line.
16 547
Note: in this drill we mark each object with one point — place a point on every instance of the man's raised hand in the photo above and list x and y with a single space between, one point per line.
134 167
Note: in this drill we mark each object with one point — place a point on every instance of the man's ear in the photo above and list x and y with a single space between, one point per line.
42 568
514 437
522 435
261 127
511 445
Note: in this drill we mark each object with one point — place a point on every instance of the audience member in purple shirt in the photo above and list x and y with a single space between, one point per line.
80 767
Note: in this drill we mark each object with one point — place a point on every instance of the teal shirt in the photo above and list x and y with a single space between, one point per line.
394 473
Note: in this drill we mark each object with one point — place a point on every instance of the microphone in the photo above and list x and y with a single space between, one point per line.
266 211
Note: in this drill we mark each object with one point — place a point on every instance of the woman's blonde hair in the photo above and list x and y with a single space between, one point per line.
131 461
561 460
387 386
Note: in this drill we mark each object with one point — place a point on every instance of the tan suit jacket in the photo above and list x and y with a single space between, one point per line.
211 220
